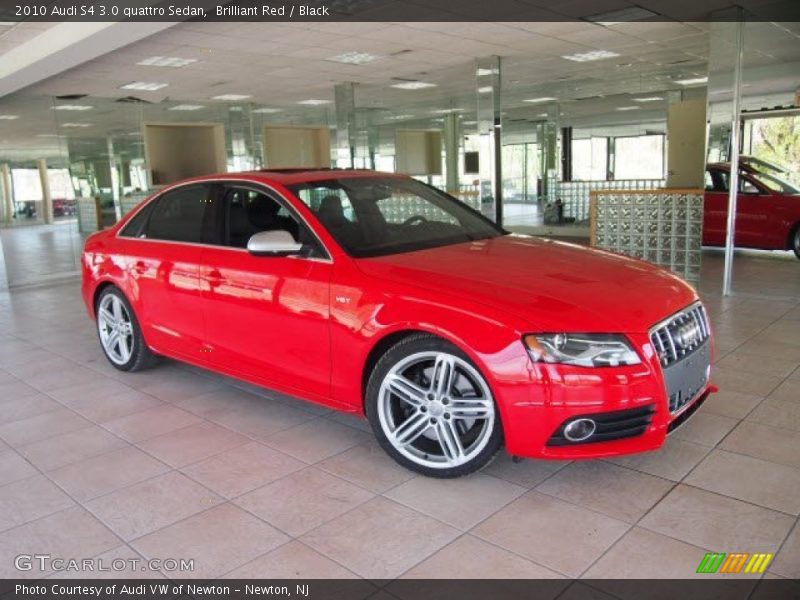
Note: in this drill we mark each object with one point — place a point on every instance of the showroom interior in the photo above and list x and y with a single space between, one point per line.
534 124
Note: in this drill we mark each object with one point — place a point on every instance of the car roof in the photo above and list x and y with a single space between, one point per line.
303 175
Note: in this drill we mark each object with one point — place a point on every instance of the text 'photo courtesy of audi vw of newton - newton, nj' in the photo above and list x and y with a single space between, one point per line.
375 294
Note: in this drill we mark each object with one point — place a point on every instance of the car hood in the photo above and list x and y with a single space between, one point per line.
552 286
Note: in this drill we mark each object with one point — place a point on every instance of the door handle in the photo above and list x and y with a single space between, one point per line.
214 278
139 268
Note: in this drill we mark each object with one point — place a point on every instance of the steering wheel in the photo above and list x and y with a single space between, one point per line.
415 219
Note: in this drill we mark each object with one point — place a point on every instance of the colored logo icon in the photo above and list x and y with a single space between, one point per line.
734 563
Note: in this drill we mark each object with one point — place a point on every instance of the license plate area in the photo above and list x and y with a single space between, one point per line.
685 379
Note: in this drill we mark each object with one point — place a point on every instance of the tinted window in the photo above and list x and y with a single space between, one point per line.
178 215
248 212
375 216
135 227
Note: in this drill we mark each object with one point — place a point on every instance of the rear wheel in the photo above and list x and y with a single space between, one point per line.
432 410
795 240
120 334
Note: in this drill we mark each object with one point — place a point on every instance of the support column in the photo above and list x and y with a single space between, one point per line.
452 136
551 155
47 198
8 194
112 165
733 181
490 133
344 98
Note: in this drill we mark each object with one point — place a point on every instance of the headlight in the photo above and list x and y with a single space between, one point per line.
581 349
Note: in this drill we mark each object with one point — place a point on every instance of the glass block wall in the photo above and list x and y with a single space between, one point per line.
664 227
575 194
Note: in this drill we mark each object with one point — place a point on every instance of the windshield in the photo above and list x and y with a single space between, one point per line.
775 183
376 216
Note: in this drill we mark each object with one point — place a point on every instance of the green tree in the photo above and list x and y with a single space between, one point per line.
778 140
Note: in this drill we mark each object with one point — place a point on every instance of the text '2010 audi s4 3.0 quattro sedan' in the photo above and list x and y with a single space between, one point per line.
376 294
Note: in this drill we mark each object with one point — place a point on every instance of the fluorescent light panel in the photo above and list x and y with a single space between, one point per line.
231 97
75 107
353 58
590 56
313 102
413 85
542 99
266 110
144 86
187 107
628 107
175 62
446 111
73 125
648 99
8 117
692 81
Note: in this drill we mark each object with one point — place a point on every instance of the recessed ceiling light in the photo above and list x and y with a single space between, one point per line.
73 107
589 56
353 58
692 81
232 97
628 107
542 99
8 117
487 89
266 110
399 117
76 124
485 72
648 99
313 102
187 107
542 115
144 86
447 111
413 85
469 123
166 61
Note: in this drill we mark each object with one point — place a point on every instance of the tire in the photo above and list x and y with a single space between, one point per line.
432 410
794 240
115 317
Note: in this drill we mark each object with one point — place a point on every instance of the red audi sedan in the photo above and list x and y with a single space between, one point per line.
376 294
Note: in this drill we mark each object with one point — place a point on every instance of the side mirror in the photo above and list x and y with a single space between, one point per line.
273 243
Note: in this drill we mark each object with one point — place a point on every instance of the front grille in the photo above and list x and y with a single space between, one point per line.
680 335
610 426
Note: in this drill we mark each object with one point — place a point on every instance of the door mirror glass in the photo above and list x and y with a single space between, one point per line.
273 243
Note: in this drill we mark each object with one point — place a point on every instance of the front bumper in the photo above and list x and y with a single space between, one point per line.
630 404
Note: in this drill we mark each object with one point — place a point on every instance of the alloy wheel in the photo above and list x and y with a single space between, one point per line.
436 409
116 329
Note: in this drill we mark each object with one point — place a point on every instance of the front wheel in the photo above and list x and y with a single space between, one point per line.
120 334
432 410
796 241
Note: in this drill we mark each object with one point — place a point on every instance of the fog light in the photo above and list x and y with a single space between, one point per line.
579 430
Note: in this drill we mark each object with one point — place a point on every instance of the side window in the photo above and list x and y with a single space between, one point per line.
248 212
747 187
178 215
709 182
135 227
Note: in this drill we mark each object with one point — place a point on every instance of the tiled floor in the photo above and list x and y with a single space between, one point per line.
174 462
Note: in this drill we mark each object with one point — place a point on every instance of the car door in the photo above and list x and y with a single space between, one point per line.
163 267
715 211
267 317
753 215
